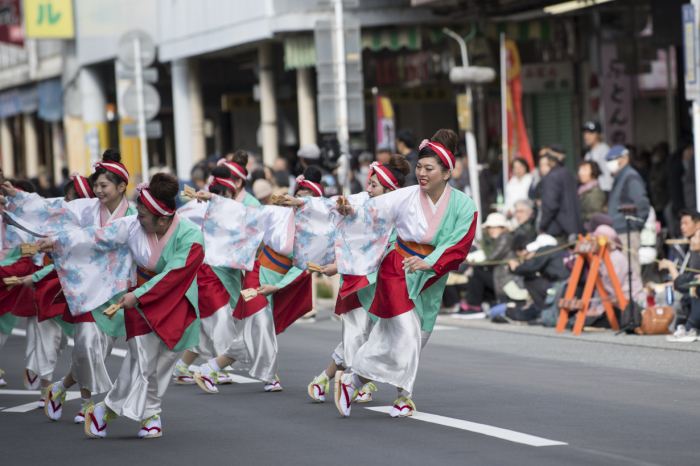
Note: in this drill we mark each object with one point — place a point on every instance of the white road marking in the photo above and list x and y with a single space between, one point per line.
32 406
236 378
491 431
120 353
445 327
19 392
19 332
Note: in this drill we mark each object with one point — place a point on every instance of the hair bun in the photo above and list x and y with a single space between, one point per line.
399 163
164 187
241 158
112 155
447 138
313 173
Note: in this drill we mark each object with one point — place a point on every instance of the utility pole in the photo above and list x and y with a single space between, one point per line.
342 90
138 74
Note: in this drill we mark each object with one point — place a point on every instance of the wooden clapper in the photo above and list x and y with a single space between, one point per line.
595 253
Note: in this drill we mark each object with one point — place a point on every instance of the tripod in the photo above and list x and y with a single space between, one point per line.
628 209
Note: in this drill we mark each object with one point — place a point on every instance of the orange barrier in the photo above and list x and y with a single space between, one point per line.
593 252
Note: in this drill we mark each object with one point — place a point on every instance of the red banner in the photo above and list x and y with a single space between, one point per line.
518 144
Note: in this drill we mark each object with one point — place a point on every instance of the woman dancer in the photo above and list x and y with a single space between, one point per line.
283 295
240 176
219 289
357 292
94 333
46 329
435 227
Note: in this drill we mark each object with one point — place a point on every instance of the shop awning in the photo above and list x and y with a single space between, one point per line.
522 31
392 38
299 52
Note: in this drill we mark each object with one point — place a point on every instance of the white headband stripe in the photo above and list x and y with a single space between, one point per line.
236 171
84 191
152 202
313 186
380 171
228 183
444 153
121 170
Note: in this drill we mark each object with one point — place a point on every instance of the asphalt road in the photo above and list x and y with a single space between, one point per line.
589 402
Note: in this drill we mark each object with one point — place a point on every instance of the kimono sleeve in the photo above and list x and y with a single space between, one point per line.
194 212
363 236
314 232
49 216
94 263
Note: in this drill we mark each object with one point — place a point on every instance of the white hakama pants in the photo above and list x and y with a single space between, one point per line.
143 378
215 333
255 345
45 341
392 352
356 329
92 346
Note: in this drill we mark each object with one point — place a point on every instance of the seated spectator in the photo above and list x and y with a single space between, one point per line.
561 212
621 268
518 185
490 277
526 217
262 190
689 303
538 268
591 197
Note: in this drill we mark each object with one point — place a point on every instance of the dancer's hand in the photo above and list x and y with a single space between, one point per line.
204 196
267 290
415 263
26 281
329 270
128 301
7 189
45 244
291 201
344 210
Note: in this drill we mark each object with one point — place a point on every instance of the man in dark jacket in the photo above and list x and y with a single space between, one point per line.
561 212
538 272
406 146
628 189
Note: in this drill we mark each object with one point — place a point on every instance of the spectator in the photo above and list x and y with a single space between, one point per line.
383 153
658 177
690 223
688 178
539 173
539 273
362 176
621 268
595 221
591 197
628 189
526 217
518 185
406 146
199 175
262 190
561 213
490 277
597 150
689 303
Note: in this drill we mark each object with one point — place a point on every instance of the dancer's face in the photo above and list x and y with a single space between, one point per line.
375 188
106 191
431 174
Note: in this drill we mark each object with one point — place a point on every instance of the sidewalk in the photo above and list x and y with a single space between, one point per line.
607 336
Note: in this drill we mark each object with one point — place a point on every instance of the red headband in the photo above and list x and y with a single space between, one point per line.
154 205
114 167
82 186
315 187
236 170
445 155
385 177
225 182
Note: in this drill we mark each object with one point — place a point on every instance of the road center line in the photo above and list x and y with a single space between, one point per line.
491 431
32 406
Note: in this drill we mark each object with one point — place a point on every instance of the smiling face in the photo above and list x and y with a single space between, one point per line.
106 191
431 174
148 221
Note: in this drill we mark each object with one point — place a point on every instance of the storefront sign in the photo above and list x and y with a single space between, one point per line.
385 121
690 52
49 19
547 77
11 22
464 112
617 98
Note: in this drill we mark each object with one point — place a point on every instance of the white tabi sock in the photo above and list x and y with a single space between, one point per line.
181 363
214 365
60 385
323 374
84 400
356 381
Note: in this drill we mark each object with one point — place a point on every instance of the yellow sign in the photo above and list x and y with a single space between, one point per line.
49 19
464 112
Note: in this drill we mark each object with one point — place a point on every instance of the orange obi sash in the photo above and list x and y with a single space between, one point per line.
48 259
409 248
274 261
143 275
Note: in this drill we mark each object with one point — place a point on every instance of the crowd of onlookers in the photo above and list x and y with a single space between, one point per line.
523 265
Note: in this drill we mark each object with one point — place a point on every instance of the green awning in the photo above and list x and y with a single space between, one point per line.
392 38
522 31
299 52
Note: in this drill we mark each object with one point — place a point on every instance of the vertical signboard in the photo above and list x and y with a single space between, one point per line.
617 98
690 52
